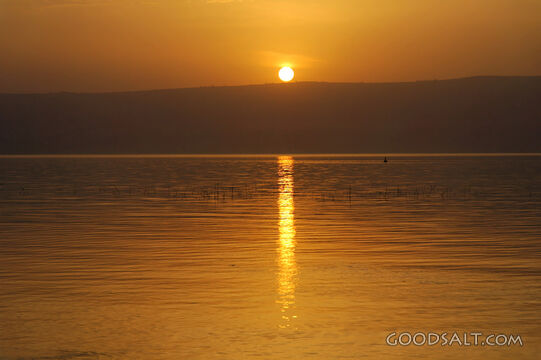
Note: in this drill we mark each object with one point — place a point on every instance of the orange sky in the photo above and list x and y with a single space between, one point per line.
109 45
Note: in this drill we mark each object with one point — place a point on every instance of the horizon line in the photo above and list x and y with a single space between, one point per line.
267 84
254 155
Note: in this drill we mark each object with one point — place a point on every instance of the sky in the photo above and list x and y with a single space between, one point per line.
116 45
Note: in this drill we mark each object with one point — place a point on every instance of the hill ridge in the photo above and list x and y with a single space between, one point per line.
477 114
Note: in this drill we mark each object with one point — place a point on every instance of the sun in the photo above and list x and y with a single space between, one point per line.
286 74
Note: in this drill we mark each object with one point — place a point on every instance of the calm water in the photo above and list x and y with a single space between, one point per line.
298 257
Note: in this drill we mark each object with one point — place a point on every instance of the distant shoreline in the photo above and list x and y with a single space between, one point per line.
263 155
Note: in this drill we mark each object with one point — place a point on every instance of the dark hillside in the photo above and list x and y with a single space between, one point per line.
482 114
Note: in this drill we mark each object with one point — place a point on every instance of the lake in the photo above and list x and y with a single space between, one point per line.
268 257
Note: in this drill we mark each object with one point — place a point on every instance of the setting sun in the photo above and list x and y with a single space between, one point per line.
286 74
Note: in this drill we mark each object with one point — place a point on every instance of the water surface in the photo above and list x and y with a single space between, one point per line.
267 257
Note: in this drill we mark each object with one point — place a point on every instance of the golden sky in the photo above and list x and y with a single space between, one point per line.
109 45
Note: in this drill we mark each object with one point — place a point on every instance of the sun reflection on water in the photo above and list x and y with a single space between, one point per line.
286 251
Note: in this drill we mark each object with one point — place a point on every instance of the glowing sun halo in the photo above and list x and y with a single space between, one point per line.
286 74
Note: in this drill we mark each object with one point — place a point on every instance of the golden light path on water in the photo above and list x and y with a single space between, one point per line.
287 271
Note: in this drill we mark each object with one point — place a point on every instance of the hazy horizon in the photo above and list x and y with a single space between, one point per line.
269 155
276 83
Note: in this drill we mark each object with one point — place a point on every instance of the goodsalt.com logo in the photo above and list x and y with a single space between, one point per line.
453 339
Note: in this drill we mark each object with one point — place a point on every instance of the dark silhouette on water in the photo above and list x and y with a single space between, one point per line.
482 114
385 160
